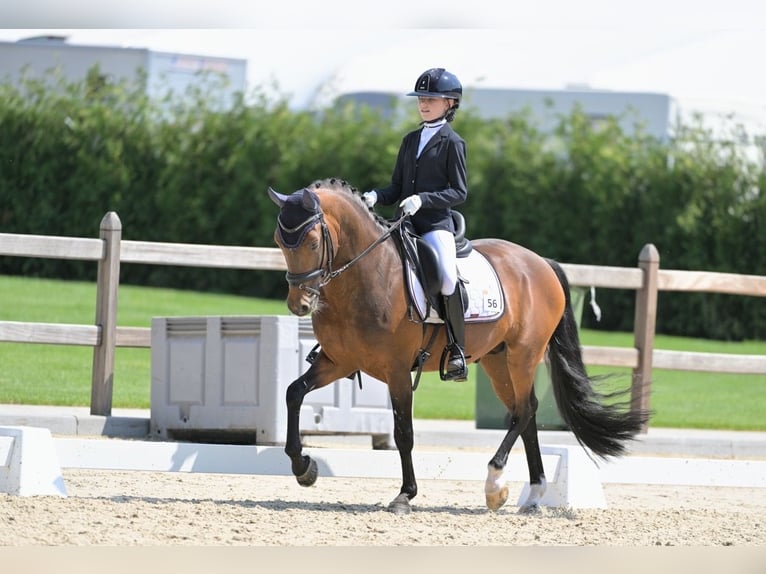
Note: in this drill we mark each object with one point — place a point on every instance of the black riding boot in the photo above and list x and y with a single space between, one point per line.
454 319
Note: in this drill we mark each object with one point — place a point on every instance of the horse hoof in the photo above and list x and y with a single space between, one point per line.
532 503
309 477
495 500
400 505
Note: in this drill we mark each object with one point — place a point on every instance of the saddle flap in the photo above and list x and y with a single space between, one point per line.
422 258
430 270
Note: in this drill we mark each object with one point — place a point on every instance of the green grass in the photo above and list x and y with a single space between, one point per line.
60 374
684 399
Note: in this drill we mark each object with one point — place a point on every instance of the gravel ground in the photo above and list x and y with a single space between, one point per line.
116 508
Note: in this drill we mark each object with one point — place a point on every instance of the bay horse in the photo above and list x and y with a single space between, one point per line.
345 270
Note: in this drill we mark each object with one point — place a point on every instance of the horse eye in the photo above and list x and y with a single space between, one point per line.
315 245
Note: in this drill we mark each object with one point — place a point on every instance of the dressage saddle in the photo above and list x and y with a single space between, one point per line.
422 258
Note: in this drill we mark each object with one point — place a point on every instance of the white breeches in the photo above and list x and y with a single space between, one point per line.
444 243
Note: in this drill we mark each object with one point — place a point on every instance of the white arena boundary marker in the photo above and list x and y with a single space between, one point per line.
560 463
117 454
575 482
29 463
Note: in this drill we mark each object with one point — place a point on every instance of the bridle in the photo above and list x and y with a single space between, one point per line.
299 280
324 272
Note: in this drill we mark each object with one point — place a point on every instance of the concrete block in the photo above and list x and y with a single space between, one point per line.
29 463
576 480
57 424
113 426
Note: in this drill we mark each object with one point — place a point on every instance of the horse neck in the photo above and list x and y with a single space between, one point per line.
351 242
353 233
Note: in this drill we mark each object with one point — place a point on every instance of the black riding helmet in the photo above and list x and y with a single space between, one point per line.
439 83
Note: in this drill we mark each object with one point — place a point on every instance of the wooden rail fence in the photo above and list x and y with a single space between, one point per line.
110 251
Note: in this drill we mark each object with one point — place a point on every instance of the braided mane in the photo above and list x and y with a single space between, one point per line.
343 186
334 184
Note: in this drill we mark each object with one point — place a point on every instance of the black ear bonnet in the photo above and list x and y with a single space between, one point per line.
299 213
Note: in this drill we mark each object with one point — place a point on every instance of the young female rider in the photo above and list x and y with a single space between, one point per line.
429 178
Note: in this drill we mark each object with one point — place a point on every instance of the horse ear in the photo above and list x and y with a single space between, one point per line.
277 198
310 201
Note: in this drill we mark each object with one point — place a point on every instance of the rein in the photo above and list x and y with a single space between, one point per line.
326 275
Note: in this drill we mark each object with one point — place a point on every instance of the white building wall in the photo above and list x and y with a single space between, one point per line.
164 71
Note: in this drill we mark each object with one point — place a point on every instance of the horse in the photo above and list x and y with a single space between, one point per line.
346 271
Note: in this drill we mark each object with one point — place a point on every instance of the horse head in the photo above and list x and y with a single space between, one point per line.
303 236
321 226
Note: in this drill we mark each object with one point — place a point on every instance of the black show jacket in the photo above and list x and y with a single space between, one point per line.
438 176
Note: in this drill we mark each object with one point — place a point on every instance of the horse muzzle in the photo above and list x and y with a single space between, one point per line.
301 300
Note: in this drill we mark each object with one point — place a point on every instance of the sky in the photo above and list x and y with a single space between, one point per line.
707 54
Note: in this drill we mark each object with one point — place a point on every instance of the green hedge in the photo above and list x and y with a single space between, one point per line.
182 170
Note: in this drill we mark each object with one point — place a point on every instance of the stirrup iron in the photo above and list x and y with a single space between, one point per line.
451 354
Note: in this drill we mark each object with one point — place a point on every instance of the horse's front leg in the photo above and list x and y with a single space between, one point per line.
303 467
401 403
321 373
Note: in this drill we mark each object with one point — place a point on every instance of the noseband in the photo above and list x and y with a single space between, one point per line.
324 273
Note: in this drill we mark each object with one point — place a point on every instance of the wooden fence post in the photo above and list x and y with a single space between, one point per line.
645 324
106 316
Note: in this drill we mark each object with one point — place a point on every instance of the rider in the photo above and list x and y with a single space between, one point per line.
429 178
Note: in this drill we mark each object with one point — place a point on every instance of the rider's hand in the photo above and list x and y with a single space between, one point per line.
411 204
370 198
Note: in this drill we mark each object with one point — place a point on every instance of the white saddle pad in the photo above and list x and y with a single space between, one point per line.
485 297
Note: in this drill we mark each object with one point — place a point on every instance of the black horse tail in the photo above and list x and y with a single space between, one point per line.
597 421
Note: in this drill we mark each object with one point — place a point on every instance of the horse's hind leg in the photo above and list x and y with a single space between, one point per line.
537 483
517 394
400 391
